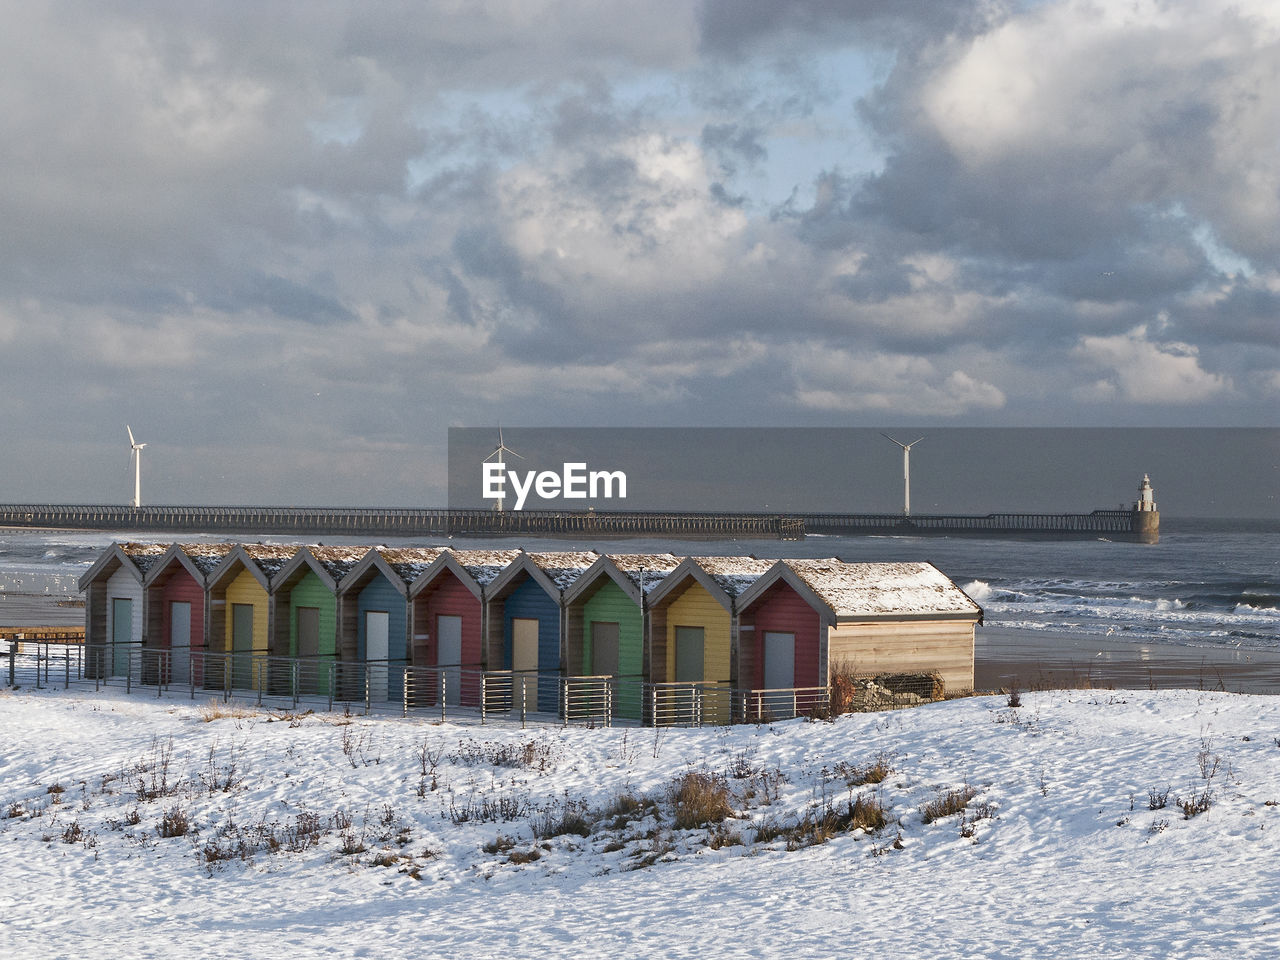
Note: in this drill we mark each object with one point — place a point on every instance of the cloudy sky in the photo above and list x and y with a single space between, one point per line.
291 244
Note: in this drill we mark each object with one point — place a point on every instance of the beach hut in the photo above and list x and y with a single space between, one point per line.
174 603
305 629
113 607
805 621
524 622
693 632
605 615
375 617
241 615
448 621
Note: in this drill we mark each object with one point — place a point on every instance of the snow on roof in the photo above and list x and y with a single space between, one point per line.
270 557
564 568
733 574
338 561
206 556
484 565
410 563
875 589
144 555
655 566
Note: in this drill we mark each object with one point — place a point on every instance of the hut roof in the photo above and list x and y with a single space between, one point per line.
656 566
733 574
206 556
144 555
338 561
564 568
270 557
484 565
878 589
410 563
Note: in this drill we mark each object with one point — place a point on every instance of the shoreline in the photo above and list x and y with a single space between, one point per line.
1005 657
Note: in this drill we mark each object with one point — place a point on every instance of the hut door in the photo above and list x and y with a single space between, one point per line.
449 656
241 644
604 649
779 661
377 648
308 649
524 657
179 642
689 645
121 633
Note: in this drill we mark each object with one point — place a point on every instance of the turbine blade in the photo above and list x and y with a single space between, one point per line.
130 429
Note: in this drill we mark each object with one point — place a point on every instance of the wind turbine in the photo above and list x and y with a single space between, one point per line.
135 454
906 471
498 451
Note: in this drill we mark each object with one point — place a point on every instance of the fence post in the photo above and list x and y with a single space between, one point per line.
404 697
524 689
66 669
13 660
444 692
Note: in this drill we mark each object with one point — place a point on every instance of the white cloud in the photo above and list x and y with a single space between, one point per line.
894 384
1143 371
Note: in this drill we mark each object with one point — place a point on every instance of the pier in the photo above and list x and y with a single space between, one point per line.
1115 524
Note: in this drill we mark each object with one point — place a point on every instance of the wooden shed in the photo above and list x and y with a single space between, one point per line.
305 597
806 620
525 628
114 618
241 614
605 617
374 610
176 612
693 624
448 619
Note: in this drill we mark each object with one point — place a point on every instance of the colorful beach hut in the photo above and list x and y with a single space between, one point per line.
113 606
305 629
805 621
605 617
525 626
176 612
240 614
375 616
693 628
448 618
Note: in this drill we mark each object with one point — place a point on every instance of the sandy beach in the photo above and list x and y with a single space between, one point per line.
1035 659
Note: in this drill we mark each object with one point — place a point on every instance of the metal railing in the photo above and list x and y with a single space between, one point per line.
448 690
36 662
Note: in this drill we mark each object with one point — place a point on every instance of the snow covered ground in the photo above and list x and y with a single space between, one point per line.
324 835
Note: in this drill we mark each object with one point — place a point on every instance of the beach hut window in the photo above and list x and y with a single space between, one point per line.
308 631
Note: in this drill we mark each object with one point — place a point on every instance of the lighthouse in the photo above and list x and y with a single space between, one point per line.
1146 518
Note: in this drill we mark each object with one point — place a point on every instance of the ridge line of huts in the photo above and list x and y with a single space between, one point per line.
334 615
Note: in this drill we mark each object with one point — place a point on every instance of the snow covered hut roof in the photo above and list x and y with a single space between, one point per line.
338 561
484 565
206 556
880 589
564 568
144 555
270 557
410 563
733 574
655 566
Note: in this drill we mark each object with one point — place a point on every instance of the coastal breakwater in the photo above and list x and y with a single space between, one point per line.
1142 526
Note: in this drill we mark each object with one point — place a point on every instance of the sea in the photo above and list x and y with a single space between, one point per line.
1207 583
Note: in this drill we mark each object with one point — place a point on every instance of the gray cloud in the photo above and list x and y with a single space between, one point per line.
338 230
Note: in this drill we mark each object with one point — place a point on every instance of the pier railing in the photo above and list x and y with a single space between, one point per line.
588 524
